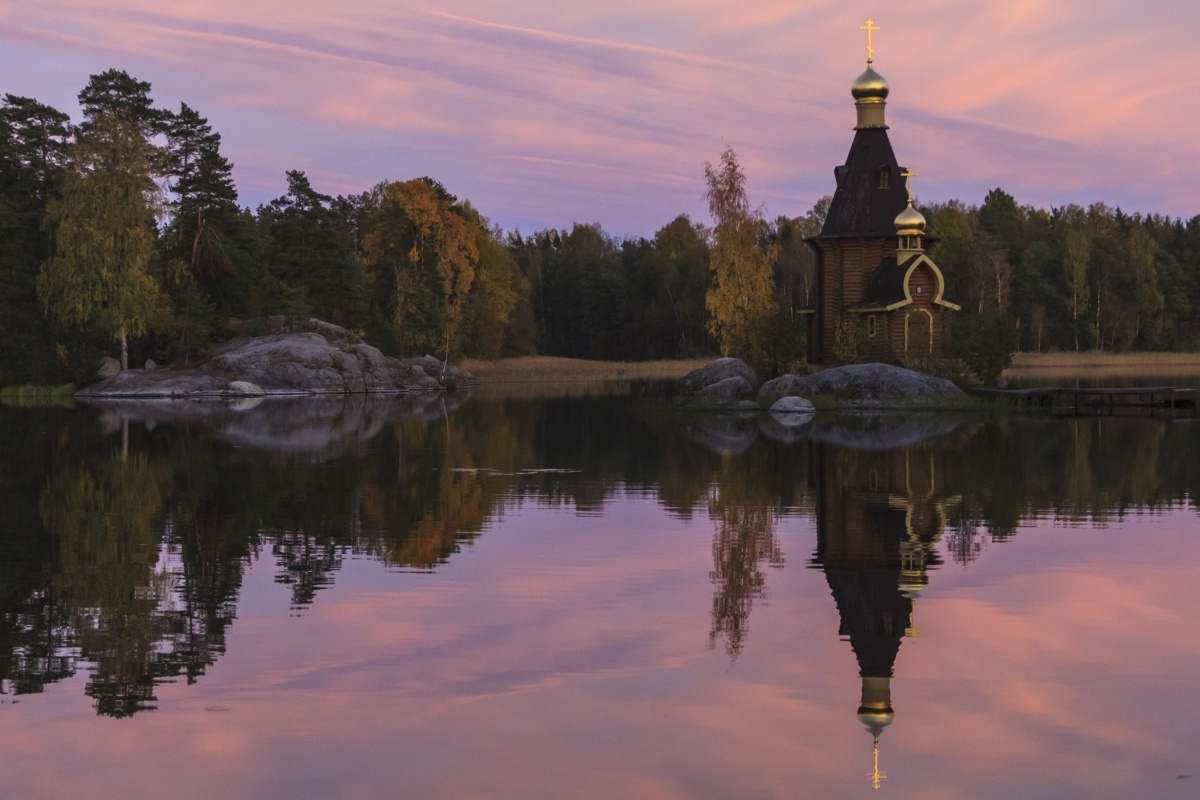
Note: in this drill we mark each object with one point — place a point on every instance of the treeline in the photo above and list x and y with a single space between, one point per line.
1073 278
123 233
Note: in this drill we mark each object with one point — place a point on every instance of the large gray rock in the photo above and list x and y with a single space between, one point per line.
322 359
109 366
720 370
729 390
864 384
783 386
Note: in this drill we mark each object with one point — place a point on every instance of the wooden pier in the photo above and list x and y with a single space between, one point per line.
1151 400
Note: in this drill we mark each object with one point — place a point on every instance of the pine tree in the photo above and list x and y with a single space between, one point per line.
204 193
33 145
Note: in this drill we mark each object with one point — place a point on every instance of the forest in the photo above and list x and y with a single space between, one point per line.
121 233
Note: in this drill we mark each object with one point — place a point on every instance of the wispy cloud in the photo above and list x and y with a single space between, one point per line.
501 101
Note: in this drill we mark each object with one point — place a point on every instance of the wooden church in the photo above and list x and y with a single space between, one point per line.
878 294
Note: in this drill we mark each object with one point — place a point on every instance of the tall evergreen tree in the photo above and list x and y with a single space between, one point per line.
309 264
205 196
116 93
33 146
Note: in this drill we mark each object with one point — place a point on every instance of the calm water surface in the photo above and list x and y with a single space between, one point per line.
594 597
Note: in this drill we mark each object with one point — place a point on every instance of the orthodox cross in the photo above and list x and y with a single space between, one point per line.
877 776
908 175
870 26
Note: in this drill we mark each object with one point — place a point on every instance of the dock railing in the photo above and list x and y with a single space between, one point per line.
1063 399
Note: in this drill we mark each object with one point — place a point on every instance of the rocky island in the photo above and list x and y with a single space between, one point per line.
730 382
269 357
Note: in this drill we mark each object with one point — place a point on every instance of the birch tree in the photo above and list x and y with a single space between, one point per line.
740 299
99 275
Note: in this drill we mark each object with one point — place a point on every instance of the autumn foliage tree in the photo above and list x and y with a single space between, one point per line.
426 248
740 299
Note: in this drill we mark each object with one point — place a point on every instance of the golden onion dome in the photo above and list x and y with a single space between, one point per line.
910 222
870 87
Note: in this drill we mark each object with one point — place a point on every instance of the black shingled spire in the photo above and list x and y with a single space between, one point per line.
860 207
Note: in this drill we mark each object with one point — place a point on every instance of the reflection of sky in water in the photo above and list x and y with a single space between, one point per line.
568 656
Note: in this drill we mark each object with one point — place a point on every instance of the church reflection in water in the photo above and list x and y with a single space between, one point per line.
879 516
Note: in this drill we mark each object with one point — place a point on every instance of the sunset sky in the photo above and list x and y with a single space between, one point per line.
546 113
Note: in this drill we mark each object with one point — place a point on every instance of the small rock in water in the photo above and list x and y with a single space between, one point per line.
792 405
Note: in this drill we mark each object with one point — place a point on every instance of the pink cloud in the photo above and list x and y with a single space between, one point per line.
1049 100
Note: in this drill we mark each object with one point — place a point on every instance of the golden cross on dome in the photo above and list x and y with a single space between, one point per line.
870 26
908 175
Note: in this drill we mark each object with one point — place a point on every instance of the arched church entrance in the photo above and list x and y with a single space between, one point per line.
918 335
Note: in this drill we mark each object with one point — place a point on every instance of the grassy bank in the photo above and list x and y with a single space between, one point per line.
37 395
1049 366
546 369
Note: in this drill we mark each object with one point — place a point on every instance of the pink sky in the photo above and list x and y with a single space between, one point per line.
548 113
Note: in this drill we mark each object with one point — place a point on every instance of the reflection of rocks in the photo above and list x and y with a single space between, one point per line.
726 436
878 431
786 428
324 426
320 359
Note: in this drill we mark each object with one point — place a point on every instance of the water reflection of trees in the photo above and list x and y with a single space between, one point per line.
744 504
1075 469
126 559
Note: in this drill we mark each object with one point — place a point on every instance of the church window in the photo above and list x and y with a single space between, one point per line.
885 178
871 327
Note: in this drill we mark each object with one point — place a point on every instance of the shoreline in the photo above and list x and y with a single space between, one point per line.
550 369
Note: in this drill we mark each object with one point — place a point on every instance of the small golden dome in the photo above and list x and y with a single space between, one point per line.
910 222
870 87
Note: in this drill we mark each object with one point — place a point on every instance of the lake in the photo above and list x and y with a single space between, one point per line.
491 596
